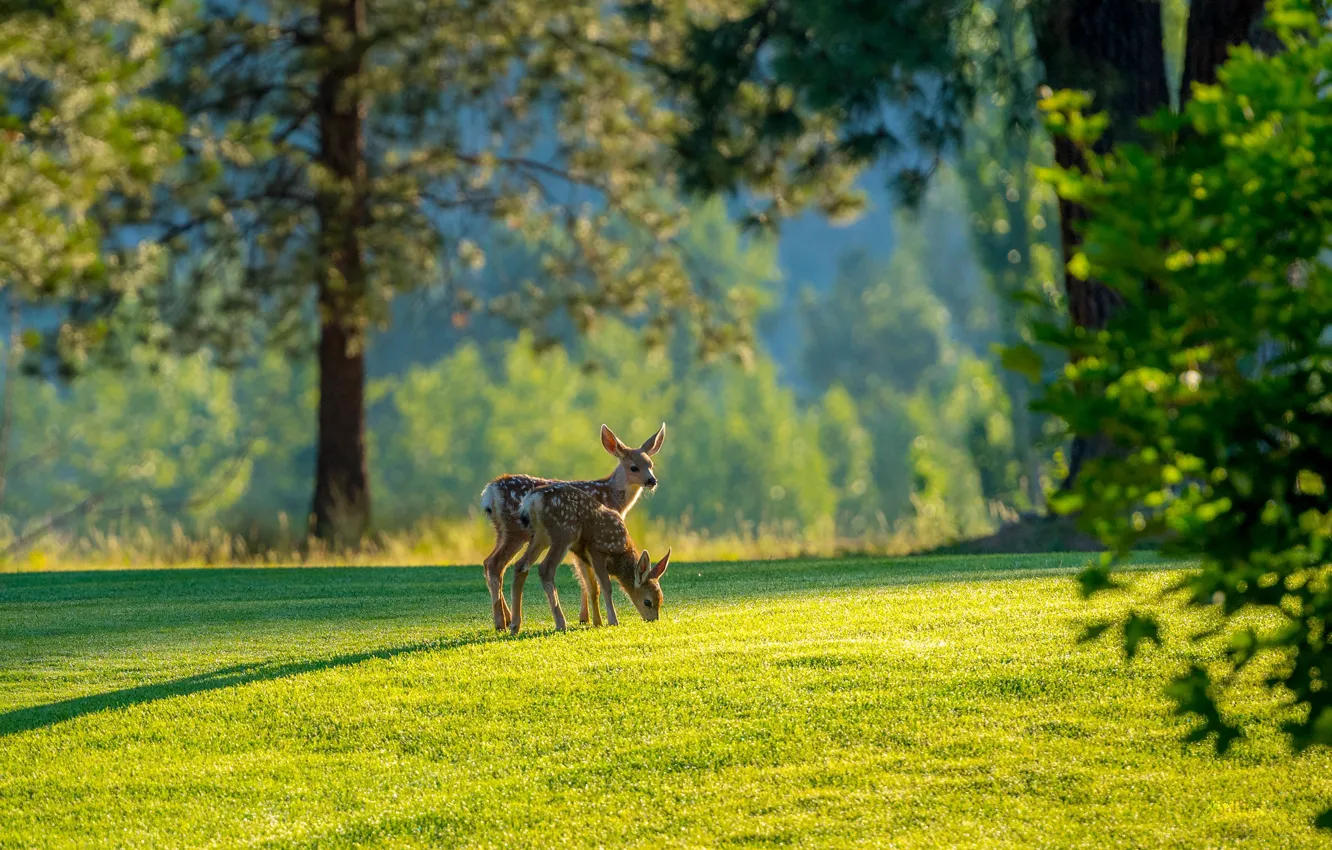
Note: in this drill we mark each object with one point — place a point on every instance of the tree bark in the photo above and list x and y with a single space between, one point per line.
1113 49
342 489
1214 27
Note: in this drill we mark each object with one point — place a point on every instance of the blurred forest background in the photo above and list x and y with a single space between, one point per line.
868 410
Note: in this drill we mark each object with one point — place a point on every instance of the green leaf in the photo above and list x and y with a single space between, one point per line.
1024 360
1080 266
1242 646
1067 503
1191 692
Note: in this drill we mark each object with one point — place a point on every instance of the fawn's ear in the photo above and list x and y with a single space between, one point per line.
661 566
611 443
653 444
642 567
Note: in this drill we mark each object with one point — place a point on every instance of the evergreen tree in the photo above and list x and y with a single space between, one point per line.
80 147
799 89
342 153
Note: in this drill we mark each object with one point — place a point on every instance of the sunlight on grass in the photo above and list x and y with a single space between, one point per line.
927 702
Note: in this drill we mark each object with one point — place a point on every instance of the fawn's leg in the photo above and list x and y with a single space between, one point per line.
549 565
531 553
594 591
591 590
534 547
583 593
593 586
516 620
603 579
582 585
495 564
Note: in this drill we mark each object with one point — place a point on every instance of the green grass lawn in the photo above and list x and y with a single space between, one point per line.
913 703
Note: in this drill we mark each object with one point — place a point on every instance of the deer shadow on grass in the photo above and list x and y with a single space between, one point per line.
41 716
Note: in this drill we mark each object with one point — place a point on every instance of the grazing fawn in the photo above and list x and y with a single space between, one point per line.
618 492
567 519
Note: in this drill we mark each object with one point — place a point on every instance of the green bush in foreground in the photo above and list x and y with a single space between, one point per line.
1214 383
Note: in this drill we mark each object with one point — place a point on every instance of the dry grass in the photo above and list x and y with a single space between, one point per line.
143 545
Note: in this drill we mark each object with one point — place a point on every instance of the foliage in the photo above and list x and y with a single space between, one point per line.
808 703
486 124
92 445
505 175
883 335
342 153
788 99
1013 215
231 448
848 445
463 421
964 449
80 147
1214 388
876 325
453 406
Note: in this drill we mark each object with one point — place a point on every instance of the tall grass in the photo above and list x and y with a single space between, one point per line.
149 544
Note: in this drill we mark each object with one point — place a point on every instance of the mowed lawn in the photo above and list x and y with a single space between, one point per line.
911 703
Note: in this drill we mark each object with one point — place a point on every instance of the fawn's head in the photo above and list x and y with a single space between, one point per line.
646 588
636 464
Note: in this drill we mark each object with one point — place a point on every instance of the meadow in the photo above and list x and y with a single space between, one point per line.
926 702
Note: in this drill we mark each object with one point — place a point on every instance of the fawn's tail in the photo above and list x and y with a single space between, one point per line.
529 508
490 499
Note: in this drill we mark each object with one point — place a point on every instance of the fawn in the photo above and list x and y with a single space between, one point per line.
618 492
566 518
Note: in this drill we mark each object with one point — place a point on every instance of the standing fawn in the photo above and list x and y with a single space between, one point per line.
567 519
617 491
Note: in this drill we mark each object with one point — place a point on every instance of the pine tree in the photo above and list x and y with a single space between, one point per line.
797 91
345 152
80 147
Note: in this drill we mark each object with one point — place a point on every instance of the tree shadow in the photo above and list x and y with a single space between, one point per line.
408 592
41 716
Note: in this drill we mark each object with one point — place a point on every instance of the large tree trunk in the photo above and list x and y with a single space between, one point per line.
342 489
1214 27
1113 49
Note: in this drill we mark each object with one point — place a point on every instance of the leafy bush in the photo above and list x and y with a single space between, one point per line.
750 455
90 443
1214 385
935 415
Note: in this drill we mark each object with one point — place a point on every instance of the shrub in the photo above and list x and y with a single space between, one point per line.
1214 385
